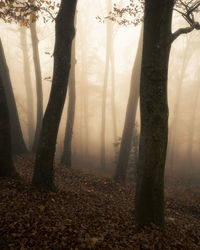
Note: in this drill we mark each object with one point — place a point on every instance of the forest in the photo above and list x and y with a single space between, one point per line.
99 124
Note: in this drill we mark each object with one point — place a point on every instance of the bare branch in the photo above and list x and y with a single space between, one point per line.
181 31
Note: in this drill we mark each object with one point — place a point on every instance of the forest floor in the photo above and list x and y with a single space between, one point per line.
90 212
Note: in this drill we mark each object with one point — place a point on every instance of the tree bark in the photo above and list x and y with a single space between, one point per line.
28 87
43 170
127 136
149 200
7 168
66 155
38 77
18 144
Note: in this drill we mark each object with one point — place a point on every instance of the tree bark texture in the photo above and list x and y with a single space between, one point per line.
43 170
127 136
149 201
18 144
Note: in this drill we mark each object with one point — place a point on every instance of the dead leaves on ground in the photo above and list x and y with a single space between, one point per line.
90 212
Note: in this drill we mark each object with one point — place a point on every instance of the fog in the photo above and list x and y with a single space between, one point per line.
183 86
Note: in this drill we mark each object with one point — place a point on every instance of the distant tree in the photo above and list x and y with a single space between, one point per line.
66 157
28 86
43 170
38 77
172 140
18 144
131 171
130 118
109 64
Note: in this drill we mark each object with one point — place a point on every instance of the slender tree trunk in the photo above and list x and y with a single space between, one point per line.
28 87
84 98
66 155
127 136
191 130
7 168
173 132
149 200
112 65
38 77
43 170
18 144
104 92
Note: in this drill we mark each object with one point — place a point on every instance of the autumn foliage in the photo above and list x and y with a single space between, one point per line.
28 11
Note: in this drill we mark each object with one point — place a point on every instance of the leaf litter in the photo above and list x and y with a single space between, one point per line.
90 212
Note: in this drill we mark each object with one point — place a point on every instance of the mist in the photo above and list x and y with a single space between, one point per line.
183 86
90 158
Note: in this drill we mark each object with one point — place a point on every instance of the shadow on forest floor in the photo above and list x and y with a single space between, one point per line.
90 212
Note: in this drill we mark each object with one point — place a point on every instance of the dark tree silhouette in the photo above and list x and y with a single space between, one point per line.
18 144
43 170
6 164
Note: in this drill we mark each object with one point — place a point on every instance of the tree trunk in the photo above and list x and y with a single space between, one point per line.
127 136
104 92
149 200
66 155
43 170
191 130
18 144
173 133
38 77
7 168
112 65
28 87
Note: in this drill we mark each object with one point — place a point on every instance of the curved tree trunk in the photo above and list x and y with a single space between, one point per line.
127 136
149 200
18 144
38 77
66 155
7 168
28 87
43 170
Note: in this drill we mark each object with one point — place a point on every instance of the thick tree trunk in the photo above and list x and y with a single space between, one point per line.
149 201
18 144
66 155
38 77
127 136
28 87
6 164
43 171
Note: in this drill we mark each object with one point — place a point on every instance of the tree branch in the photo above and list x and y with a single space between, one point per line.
181 31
